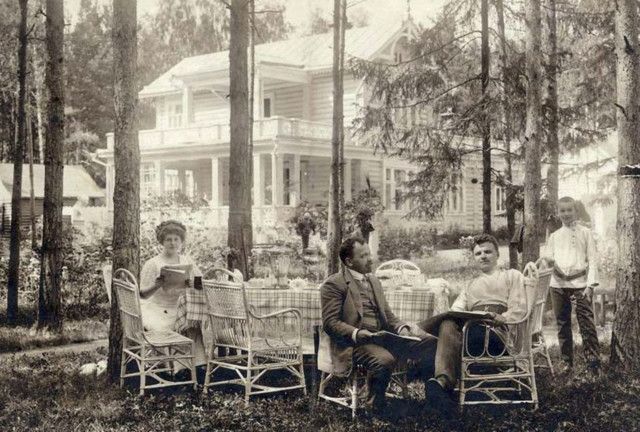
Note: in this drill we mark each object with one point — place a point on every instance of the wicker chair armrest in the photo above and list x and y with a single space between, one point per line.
294 311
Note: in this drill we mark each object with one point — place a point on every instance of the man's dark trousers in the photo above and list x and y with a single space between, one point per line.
380 362
562 305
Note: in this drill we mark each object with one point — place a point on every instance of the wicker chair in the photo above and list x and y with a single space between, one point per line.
154 352
507 377
261 343
400 272
539 345
353 392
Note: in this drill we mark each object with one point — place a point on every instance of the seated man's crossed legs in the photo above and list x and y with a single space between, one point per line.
440 388
380 362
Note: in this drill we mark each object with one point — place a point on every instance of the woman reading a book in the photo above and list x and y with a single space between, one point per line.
164 277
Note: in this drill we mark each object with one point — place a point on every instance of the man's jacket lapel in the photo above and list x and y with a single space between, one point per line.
353 289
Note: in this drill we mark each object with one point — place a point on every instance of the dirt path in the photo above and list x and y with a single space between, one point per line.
60 349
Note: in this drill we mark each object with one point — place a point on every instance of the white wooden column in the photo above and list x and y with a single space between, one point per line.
257 95
347 180
294 180
187 106
109 180
258 181
215 182
159 177
276 179
306 101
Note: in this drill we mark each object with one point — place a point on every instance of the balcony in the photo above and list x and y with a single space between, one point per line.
269 128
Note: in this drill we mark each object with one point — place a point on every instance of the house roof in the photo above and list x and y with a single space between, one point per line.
306 53
76 182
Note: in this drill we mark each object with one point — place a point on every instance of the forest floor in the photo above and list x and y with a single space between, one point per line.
45 392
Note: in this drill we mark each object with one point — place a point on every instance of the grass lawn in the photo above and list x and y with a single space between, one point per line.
45 393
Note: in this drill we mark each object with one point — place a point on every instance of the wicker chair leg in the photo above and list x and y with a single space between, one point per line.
207 377
123 367
302 381
192 362
143 377
532 381
354 395
247 383
545 352
322 384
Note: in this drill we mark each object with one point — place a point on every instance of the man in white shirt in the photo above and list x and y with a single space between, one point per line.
501 292
572 251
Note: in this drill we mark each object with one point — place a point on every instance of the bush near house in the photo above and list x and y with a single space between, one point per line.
408 243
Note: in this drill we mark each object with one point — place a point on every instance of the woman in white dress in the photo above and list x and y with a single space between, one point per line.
158 300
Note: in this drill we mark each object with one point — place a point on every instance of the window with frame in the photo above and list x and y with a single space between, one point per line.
267 106
147 179
174 115
500 200
171 180
454 203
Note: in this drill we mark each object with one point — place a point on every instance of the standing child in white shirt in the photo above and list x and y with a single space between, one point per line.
572 251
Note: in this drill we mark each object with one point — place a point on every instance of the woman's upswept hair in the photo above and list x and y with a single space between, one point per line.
170 227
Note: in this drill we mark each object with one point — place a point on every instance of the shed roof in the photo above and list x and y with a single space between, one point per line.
76 182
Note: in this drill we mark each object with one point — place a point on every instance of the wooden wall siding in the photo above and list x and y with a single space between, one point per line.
316 181
371 169
322 99
209 108
287 102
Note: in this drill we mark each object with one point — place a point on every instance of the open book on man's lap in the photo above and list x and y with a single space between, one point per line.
385 338
432 325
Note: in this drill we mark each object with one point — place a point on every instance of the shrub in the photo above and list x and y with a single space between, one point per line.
404 243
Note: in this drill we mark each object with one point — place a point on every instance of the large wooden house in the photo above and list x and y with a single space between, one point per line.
188 150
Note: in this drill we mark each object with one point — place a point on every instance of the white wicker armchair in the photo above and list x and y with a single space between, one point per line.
508 376
154 352
261 343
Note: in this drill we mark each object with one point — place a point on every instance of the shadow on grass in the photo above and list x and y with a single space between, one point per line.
46 393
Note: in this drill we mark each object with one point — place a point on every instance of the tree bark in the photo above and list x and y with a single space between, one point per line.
13 279
334 235
486 120
506 137
32 198
534 133
551 46
240 159
37 66
49 303
625 343
126 194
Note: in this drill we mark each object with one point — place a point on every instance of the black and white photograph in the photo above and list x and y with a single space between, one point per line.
320 215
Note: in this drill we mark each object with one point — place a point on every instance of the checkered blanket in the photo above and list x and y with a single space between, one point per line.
409 306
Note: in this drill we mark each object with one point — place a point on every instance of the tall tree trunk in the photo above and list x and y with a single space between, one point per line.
534 133
334 235
13 280
486 121
49 301
240 159
38 83
32 198
551 46
126 192
252 79
506 136
343 28
625 343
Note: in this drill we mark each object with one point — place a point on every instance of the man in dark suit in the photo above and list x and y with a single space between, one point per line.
354 309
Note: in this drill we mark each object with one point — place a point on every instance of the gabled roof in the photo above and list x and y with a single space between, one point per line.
306 53
76 182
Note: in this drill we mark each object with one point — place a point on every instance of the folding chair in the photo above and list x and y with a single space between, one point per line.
154 352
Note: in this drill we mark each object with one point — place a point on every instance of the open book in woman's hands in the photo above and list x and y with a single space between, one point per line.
175 275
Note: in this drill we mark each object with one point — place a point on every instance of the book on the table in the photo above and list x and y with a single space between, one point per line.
384 338
175 275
